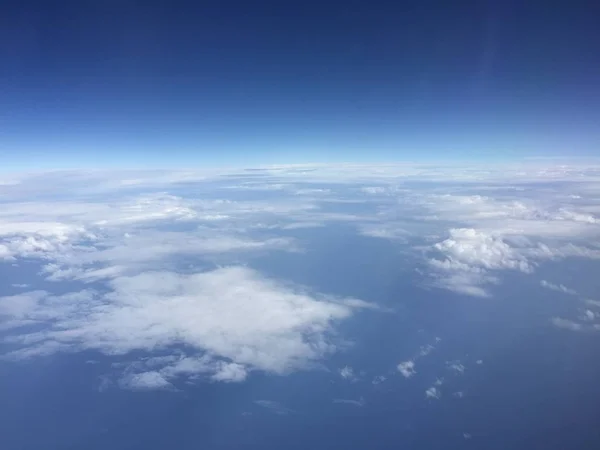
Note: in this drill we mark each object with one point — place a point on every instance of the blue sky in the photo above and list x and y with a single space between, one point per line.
235 83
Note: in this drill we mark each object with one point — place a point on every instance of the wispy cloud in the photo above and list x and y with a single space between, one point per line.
558 287
274 407
360 403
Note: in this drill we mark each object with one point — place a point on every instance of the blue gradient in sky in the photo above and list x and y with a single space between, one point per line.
150 83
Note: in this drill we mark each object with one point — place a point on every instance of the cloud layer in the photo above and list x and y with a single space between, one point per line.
231 314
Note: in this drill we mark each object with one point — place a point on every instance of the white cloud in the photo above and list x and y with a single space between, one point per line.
558 287
503 234
459 394
455 366
426 350
379 379
433 393
407 368
231 313
588 315
592 302
360 403
230 372
274 407
567 324
479 362
384 231
145 381
347 373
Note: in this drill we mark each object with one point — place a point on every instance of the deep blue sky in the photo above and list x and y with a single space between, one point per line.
244 82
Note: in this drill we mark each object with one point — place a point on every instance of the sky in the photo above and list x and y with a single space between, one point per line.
156 84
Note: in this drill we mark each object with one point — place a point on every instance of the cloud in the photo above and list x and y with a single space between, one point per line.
558 287
407 368
234 315
360 403
588 315
479 362
455 366
567 324
433 393
378 379
274 407
347 373
426 350
503 234
459 394
592 302
145 381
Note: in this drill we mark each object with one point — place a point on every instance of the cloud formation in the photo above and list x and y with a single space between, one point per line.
407 368
241 320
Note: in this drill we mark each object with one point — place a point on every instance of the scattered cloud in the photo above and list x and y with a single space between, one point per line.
592 302
567 324
589 315
361 402
479 361
459 394
274 407
145 381
347 373
557 287
407 368
455 366
378 379
433 393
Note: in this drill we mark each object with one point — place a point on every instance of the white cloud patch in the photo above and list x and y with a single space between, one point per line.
360 403
347 373
378 379
567 324
407 368
558 287
433 393
240 319
456 367
145 381
503 234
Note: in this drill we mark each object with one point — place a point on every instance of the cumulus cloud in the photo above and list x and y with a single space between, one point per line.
503 234
242 320
407 368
